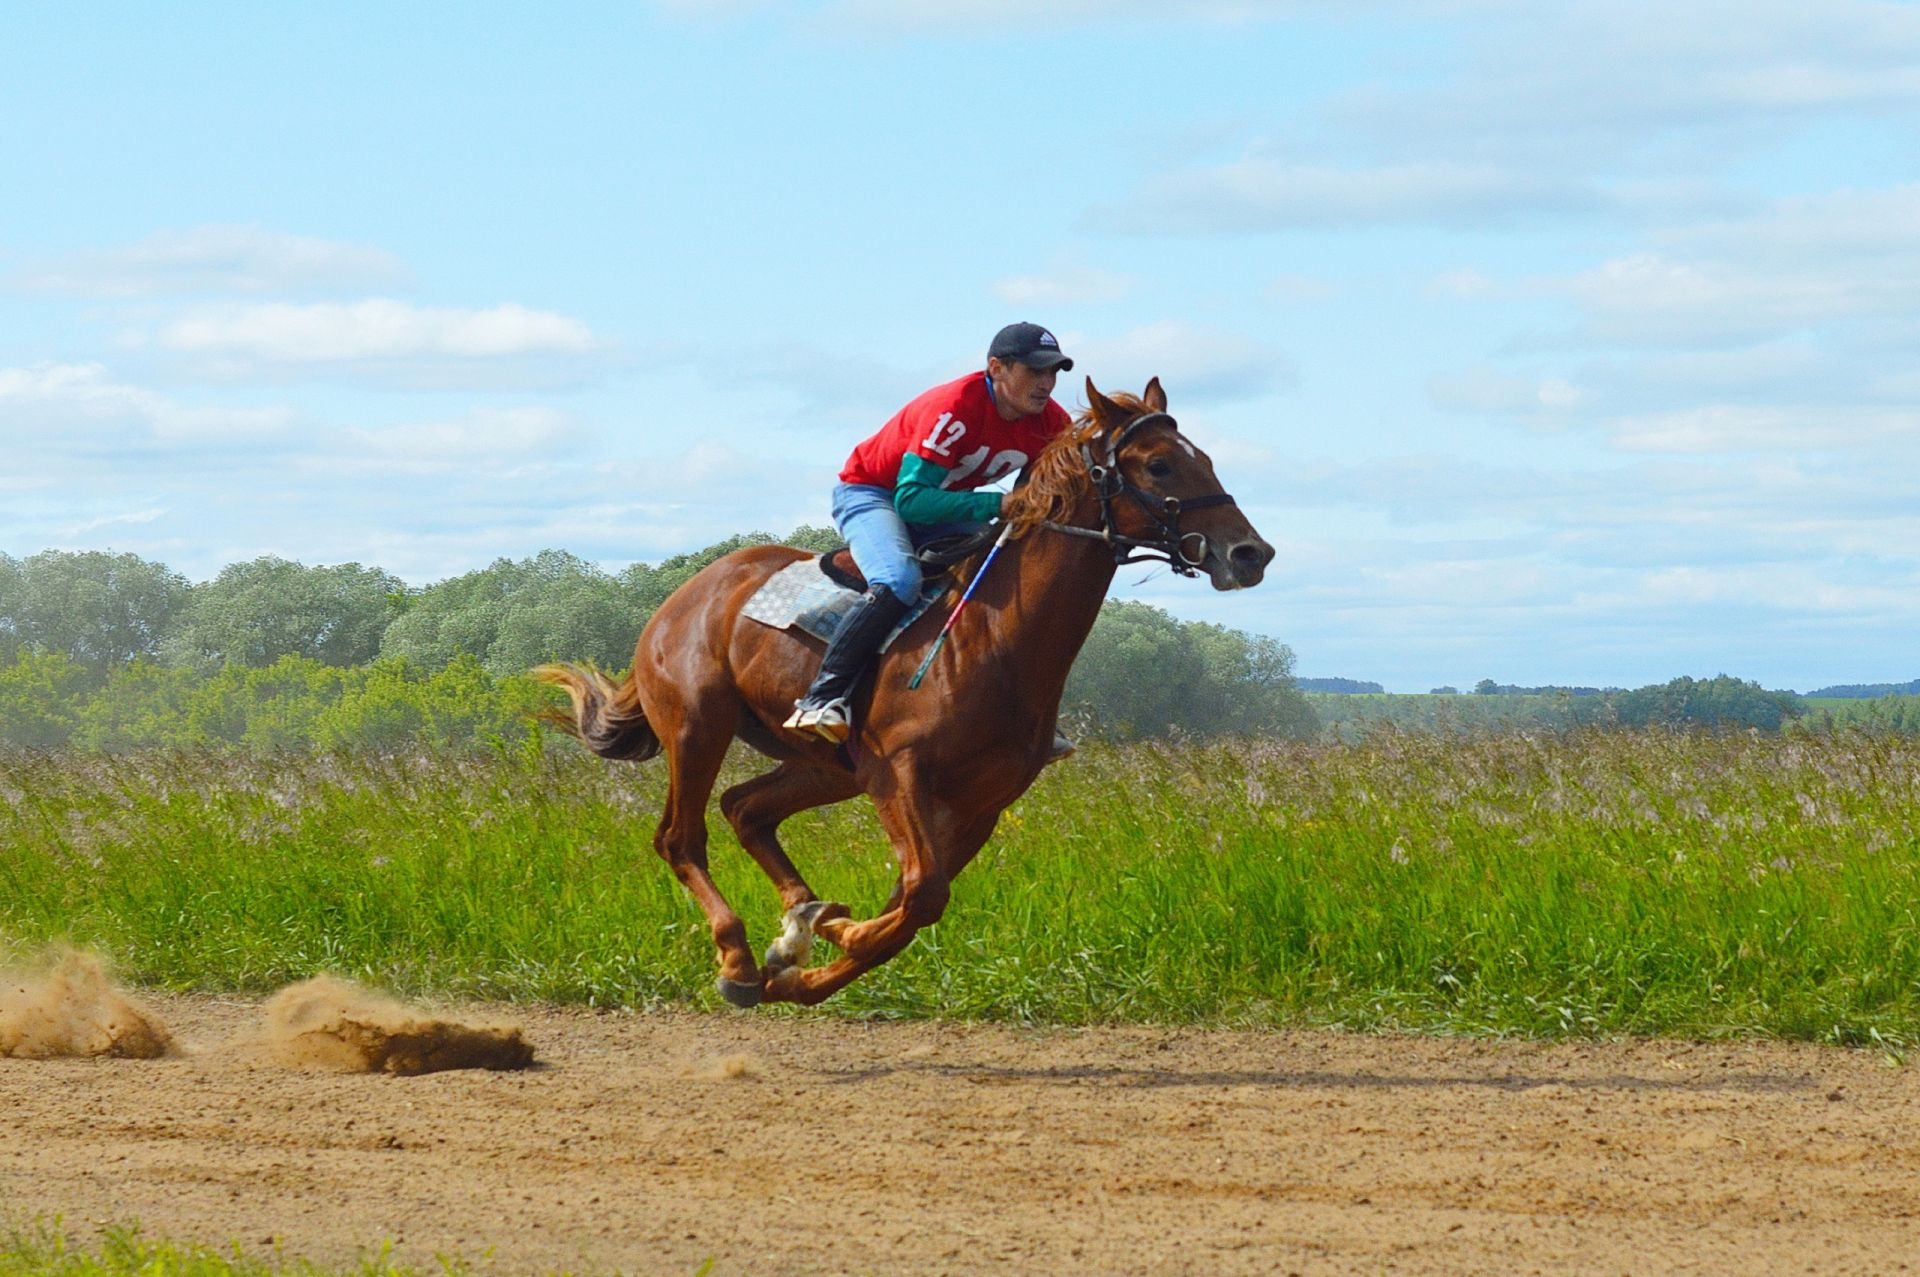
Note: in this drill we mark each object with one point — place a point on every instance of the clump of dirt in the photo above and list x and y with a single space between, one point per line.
328 1023
724 1068
68 1007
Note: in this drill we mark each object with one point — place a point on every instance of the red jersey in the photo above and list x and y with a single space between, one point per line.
956 427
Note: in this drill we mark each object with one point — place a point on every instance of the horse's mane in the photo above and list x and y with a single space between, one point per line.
1056 480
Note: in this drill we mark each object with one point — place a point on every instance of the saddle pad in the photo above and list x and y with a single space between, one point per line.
799 596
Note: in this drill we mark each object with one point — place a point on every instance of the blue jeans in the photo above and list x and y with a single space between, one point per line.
882 542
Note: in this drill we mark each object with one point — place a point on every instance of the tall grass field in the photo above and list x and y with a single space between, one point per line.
1598 882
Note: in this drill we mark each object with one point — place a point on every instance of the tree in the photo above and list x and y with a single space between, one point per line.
101 609
818 540
254 613
651 585
1250 687
390 705
516 614
1721 701
268 709
41 694
144 705
11 580
1144 673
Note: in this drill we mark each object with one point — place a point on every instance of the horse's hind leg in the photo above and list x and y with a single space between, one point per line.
755 809
694 763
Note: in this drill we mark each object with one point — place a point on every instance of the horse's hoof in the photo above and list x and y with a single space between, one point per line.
785 985
739 993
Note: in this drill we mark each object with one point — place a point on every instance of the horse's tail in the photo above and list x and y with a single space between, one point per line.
606 719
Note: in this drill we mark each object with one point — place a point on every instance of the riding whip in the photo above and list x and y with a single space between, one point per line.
914 682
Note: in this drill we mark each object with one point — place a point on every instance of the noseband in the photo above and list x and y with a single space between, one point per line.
1109 484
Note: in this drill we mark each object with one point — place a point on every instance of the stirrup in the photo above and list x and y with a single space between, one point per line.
829 721
1062 748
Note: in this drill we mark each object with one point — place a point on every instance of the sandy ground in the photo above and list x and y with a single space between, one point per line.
794 1144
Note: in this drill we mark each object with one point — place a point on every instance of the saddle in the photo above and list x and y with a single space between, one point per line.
936 558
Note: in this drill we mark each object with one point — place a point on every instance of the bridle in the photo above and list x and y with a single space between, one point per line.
1110 483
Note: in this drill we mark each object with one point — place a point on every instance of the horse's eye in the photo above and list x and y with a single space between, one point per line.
1159 469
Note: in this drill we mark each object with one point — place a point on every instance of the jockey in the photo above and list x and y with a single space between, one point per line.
914 480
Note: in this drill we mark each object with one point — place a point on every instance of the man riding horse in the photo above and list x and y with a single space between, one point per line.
1121 483
916 480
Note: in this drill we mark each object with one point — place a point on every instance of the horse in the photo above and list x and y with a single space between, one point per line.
940 762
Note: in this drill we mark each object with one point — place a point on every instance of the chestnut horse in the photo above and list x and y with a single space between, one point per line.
942 761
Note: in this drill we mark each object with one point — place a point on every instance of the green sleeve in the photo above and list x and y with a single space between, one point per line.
919 498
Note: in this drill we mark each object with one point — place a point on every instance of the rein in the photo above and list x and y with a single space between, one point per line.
1109 484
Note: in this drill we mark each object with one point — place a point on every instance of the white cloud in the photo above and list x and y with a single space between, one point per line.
1800 262
1193 363
1485 390
1464 283
1300 288
1665 509
132 518
375 330
1720 428
1649 299
1795 588
1258 194
706 12
1067 286
1771 369
39 401
1849 224
911 16
217 259
1599 80
484 436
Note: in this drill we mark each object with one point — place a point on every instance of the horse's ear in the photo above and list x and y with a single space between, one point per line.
1154 397
1102 406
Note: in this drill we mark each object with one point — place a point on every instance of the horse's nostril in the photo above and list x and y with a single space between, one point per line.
1249 553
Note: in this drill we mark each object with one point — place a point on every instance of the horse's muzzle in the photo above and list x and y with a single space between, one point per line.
1238 564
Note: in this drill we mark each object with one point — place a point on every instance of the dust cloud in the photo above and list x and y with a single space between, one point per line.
69 1006
328 1023
66 1005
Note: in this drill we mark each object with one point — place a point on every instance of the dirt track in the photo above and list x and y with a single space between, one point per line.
649 1143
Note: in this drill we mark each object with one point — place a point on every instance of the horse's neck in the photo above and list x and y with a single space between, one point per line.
1055 586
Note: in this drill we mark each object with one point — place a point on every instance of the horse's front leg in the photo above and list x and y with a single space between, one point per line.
927 839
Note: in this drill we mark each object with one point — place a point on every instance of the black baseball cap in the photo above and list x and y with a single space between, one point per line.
1029 344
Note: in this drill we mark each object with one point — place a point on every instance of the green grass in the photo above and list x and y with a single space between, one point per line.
43 1250
1589 883
1352 716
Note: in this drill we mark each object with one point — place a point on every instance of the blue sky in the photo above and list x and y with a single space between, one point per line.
1547 343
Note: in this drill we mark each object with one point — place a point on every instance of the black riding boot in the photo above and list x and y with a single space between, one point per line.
823 709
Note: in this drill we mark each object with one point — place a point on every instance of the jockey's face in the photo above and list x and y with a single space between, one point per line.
1020 391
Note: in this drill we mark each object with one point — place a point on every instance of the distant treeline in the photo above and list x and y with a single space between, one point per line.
112 651
1861 691
1719 702
1343 686
1487 687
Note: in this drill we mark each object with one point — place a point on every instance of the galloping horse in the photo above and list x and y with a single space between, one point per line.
940 762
